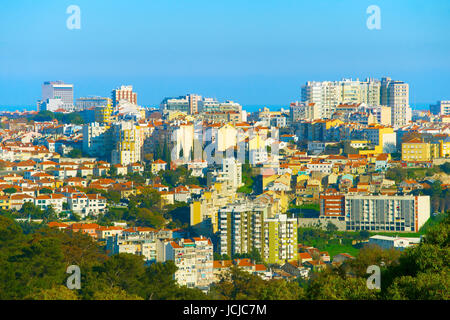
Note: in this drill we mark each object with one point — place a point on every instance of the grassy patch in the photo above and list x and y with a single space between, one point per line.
334 249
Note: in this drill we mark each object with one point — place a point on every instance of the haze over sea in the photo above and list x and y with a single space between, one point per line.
248 108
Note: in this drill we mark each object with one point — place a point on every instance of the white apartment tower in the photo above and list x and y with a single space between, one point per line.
395 94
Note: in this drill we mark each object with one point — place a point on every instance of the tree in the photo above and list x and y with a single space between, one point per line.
75 153
30 210
330 286
54 293
115 294
331 227
10 190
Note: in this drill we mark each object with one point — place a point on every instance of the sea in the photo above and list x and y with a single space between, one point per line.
248 108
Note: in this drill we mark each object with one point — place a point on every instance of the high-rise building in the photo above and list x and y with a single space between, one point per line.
232 169
395 94
124 93
280 236
128 143
97 140
58 90
327 95
244 227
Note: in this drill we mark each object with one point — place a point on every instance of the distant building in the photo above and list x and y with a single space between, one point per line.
194 259
386 213
91 102
123 93
58 90
393 242
441 108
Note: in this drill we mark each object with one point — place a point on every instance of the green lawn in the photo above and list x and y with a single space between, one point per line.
334 249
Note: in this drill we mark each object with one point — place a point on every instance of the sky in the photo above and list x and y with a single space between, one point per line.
252 52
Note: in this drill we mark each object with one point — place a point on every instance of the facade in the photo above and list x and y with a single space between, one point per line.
244 227
419 151
58 90
97 140
127 143
393 242
395 94
84 103
194 259
123 93
386 213
441 108
280 237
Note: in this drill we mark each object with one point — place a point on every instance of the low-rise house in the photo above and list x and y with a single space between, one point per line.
54 200
158 165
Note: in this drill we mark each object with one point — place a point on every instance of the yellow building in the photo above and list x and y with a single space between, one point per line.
4 203
444 147
280 240
417 150
103 114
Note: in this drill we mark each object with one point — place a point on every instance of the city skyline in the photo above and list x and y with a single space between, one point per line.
257 55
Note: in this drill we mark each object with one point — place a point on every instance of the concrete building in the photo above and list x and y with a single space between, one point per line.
123 93
441 108
420 151
386 213
244 227
84 103
128 143
97 140
395 94
58 90
194 259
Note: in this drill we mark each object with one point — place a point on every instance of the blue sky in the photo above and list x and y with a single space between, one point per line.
253 52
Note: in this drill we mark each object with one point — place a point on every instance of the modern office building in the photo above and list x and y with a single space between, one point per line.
58 90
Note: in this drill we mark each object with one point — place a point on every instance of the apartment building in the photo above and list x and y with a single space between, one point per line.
280 237
419 151
395 94
128 143
97 140
146 242
194 259
123 93
244 226
386 213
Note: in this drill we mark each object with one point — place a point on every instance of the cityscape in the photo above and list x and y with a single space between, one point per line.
342 193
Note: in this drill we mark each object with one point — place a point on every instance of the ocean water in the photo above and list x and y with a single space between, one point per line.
248 108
